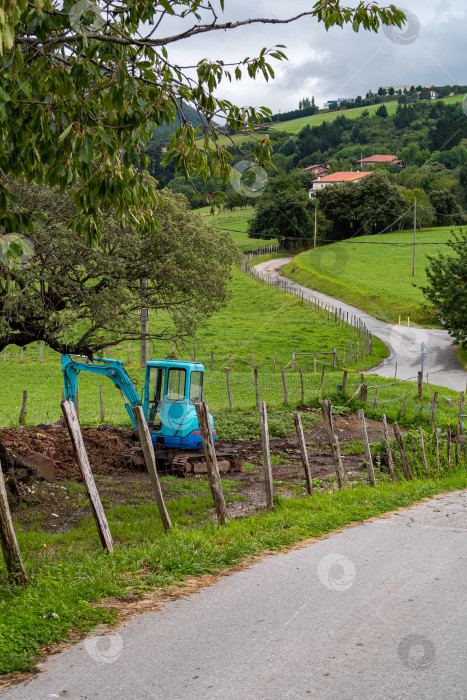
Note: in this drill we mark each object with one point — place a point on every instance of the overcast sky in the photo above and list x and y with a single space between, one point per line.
337 63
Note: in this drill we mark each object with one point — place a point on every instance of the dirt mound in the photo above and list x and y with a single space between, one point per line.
104 447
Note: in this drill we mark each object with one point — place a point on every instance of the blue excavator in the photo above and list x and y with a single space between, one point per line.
171 390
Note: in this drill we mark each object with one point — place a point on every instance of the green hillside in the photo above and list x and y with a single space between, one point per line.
372 274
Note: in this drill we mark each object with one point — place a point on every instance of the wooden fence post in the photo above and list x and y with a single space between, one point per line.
366 445
202 412
364 392
334 358
263 417
422 445
435 429
302 386
256 387
150 460
405 462
420 386
327 415
284 382
193 357
227 374
211 363
344 381
23 407
458 435
274 364
101 397
434 399
314 363
82 460
322 379
41 353
11 553
404 404
388 449
350 353
448 443
294 359
461 408
21 355
375 401
303 452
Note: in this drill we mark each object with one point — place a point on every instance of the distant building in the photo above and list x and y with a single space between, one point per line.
338 101
319 170
374 160
335 179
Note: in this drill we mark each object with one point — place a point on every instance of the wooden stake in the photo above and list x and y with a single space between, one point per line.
202 412
364 392
193 357
458 436
420 386
82 461
41 353
405 462
274 364
21 354
23 407
302 385
334 358
388 449
322 379
294 359
375 402
284 382
256 387
435 428
350 353
101 397
404 404
303 452
366 445
448 443
150 460
10 548
461 408
227 374
422 445
356 351
263 417
344 381
434 399
327 415
315 363
395 371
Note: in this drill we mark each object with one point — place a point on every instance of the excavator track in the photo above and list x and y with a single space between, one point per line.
181 462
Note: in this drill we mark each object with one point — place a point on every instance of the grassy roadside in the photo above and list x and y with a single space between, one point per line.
69 573
372 277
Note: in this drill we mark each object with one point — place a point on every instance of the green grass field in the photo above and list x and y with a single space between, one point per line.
295 125
376 278
236 223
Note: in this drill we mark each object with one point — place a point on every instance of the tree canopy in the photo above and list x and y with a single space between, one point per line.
82 88
446 286
80 299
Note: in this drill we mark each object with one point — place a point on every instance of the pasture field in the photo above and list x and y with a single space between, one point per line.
236 223
295 125
374 273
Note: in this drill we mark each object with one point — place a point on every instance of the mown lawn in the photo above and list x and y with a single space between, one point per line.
374 273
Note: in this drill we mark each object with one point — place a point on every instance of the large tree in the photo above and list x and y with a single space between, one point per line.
361 208
79 298
446 286
83 86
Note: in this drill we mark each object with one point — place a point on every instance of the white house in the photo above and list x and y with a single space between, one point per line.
335 179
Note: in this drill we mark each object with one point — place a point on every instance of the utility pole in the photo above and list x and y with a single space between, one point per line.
414 235
316 224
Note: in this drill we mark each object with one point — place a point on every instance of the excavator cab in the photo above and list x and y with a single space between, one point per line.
171 390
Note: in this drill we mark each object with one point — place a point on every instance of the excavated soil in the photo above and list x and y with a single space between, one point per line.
104 446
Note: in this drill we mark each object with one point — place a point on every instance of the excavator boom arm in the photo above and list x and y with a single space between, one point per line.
113 369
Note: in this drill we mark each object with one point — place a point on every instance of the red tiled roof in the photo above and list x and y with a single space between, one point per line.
323 167
342 177
378 159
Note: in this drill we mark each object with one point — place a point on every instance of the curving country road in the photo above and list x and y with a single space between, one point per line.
404 343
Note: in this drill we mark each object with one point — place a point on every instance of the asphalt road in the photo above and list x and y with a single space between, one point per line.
376 611
404 343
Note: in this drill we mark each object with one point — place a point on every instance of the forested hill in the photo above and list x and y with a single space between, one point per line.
431 137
